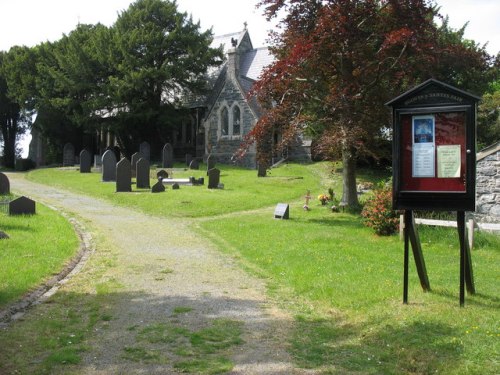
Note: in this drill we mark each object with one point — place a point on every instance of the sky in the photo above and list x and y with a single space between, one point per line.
30 22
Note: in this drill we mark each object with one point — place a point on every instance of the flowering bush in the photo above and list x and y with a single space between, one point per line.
378 213
323 198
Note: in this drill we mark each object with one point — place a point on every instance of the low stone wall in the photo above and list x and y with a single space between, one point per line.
488 188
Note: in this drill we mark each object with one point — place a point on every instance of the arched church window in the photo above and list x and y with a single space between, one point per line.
236 120
224 121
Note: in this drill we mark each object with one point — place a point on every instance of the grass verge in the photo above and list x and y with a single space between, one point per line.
39 245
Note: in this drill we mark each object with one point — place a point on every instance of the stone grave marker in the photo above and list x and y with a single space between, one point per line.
175 186
282 211
194 164
162 174
189 158
167 156
133 162
4 184
262 170
142 174
158 187
97 161
109 166
85 161
123 176
211 161
68 155
22 206
145 150
213 178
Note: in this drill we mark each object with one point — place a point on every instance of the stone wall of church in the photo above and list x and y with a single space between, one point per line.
224 147
488 189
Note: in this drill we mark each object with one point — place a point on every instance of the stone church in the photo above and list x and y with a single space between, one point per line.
226 114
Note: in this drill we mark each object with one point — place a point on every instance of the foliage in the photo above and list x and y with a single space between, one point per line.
16 69
378 213
339 61
488 120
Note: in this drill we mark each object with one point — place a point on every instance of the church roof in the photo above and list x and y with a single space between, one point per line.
253 62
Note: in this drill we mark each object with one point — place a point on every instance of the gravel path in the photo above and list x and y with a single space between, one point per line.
160 265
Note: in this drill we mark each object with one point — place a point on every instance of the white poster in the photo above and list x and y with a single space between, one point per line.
424 148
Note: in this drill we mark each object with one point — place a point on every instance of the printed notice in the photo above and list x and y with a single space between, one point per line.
424 151
448 161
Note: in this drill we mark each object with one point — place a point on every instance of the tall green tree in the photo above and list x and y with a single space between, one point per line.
72 85
17 76
161 56
339 61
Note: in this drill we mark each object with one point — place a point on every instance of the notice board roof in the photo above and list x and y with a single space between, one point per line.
433 92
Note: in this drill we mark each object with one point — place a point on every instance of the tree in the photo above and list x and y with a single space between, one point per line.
160 57
16 79
339 61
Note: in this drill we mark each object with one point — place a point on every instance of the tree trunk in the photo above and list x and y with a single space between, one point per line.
349 191
9 134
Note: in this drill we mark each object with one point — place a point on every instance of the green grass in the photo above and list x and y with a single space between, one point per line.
342 283
345 286
39 245
243 190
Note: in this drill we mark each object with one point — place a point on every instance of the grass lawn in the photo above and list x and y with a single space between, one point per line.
342 283
39 246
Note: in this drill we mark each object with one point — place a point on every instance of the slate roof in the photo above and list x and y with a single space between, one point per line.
252 63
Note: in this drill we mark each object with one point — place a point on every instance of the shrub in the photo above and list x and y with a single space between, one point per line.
378 213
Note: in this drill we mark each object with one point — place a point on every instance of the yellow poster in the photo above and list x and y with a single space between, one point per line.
448 161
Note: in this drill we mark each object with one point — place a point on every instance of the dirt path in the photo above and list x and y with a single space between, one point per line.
161 265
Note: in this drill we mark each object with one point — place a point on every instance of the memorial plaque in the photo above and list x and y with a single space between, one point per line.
281 211
213 178
194 164
145 150
142 173
109 166
68 155
22 206
123 176
158 187
133 162
85 161
4 184
167 156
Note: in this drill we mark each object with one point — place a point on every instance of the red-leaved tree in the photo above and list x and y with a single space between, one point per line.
338 62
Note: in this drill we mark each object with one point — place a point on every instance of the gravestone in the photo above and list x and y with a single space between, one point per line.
22 206
97 161
85 160
194 164
262 170
211 161
175 186
162 174
142 173
133 162
3 236
213 178
123 176
189 158
68 155
4 184
158 187
167 156
145 150
282 211
109 166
